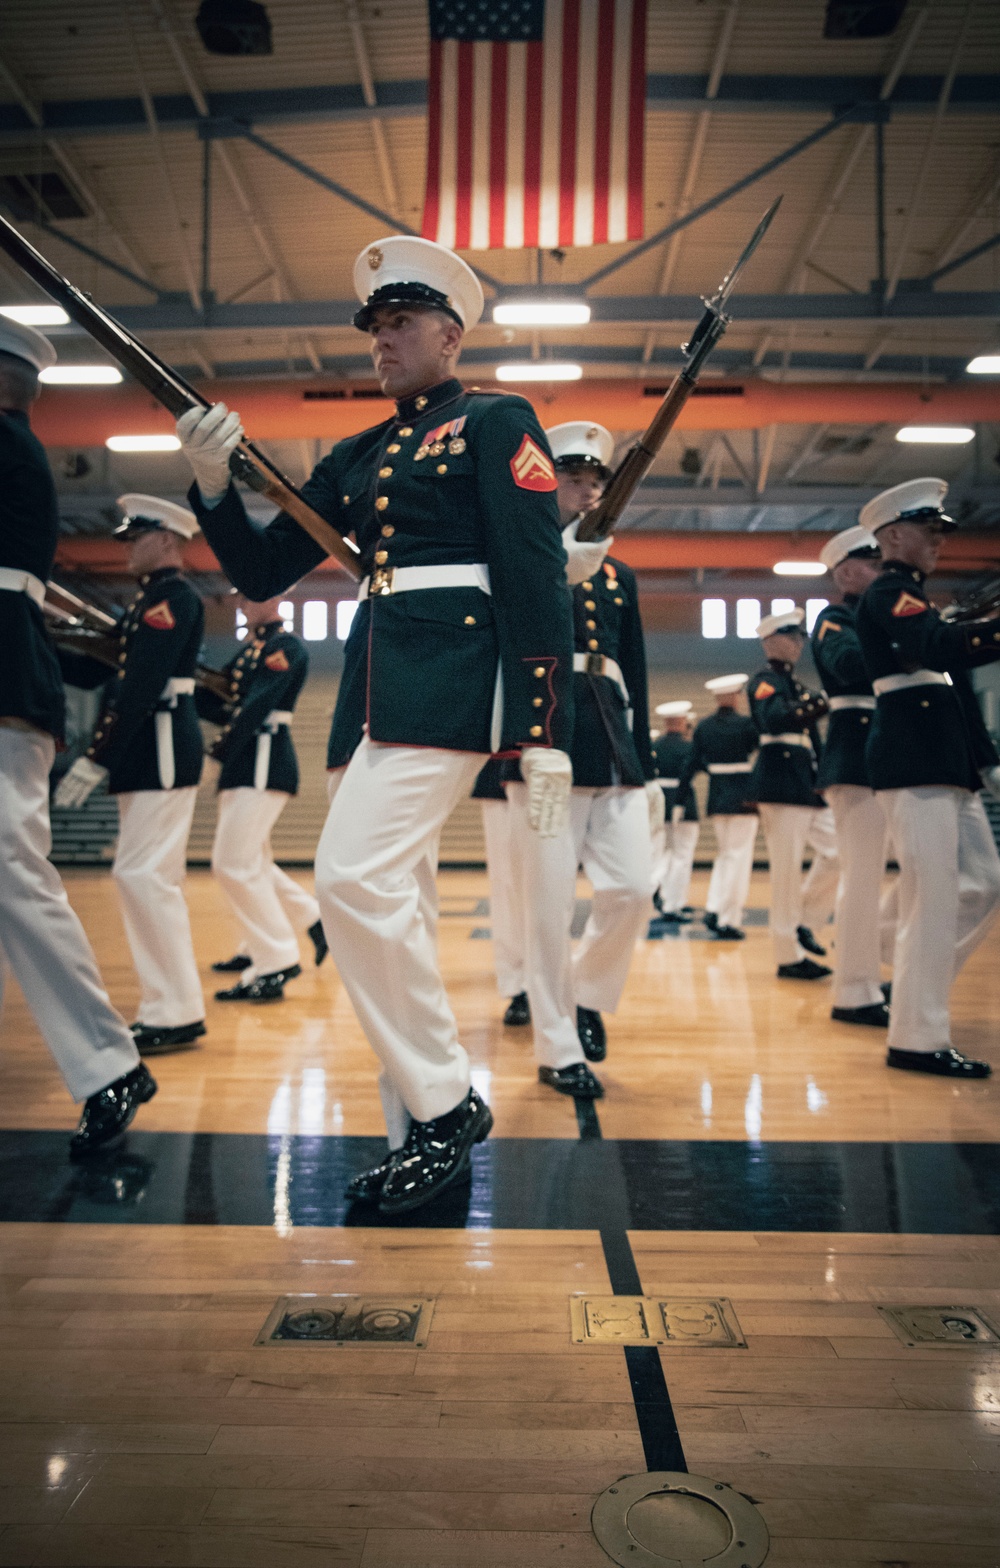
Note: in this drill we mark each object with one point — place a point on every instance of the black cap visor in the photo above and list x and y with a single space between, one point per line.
581 463
404 294
135 527
923 514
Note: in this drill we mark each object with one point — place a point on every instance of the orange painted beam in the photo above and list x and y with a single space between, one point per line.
646 552
291 410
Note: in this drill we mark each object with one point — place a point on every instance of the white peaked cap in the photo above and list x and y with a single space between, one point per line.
582 438
915 498
673 710
788 620
404 269
846 543
166 514
721 684
26 343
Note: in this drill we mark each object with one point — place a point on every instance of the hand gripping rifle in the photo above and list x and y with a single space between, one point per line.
247 462
637 462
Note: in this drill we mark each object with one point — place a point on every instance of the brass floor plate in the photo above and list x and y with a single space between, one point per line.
348 1320
670 1519
709 1322
940 1327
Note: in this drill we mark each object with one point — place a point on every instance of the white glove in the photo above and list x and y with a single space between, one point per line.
584 559
676 815
654 800
79 783
991 781
549 776
207 437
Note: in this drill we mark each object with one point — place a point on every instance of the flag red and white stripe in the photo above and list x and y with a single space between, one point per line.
540 144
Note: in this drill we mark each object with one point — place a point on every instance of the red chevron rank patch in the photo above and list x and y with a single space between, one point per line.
827 626
907 604
160 617
765 689
531 468
277 661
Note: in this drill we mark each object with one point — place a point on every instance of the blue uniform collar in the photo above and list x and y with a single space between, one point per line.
426 402
907 571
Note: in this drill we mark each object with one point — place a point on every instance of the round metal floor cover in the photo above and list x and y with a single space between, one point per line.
669 1519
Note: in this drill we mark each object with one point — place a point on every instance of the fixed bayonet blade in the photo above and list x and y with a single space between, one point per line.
729 281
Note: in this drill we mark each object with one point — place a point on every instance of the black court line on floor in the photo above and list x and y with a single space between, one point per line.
654 1411
163 1178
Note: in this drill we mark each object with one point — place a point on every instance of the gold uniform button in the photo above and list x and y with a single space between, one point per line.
619 601
586 587
536 729
865 720
591 626
347 500
592 644
393 447
470 620
976 641
387 531
420 404
385 473
381 556
407 430
925 704
442 468
539 671
381 503
536 702
589 605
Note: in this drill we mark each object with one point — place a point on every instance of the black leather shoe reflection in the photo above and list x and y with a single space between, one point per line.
809 942
876 1015
317 937
232 966
111 1178
576 1080
107 1113
435 1154
518 1011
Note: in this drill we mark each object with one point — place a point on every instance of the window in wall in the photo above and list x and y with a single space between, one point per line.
713 617
286 609
314 620
813 609
241 626
782 606
347 609
747 617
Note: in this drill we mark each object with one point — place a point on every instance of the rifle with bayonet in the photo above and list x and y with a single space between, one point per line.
80 627
246 463
637 462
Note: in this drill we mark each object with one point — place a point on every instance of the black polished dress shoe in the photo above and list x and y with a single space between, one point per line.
265 988
577 1080
317 937
367 1186
232 966
518 1011
710 920
435 1154
945 1064
876 1014
590 1028
886 989
805 969
728 933
658 903
108 1112
809 942
156 1040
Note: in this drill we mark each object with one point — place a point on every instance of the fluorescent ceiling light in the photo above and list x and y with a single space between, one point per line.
799 568
936 435
81 376
539 370
542 313
35 315
984 365
143 444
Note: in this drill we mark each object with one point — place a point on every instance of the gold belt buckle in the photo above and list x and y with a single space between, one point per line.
381 581
596 663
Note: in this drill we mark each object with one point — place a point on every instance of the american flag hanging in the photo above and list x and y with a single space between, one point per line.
535 123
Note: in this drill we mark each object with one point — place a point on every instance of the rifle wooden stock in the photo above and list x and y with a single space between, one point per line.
981 604
247 462
636 463
80 627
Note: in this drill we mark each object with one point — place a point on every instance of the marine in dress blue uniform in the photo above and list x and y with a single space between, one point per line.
675 843
259 775
794 816
852 558
41 938
608 832
722 745
148 747
461 647
928 755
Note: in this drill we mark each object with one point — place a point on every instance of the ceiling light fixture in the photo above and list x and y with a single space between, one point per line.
984 365
936 435
799 568
35 315
540 370
143 444
542 313
81 376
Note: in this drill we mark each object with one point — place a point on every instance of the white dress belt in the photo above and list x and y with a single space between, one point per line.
177 686
22 582
840 704
262 756
889 683
792 738
163 724
669 783
406 579
601 664
730 767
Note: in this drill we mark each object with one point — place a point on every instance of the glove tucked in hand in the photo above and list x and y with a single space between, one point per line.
991 781
207 437
584 558
79 783
549 776
676 815
655 802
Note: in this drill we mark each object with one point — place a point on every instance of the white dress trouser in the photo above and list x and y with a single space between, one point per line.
244 866
149 868
949 895
796 901
673 873
506 912
860 823
40 936
608 834
375 869
729 884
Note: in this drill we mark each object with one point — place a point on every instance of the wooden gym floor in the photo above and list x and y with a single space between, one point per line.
747 1148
